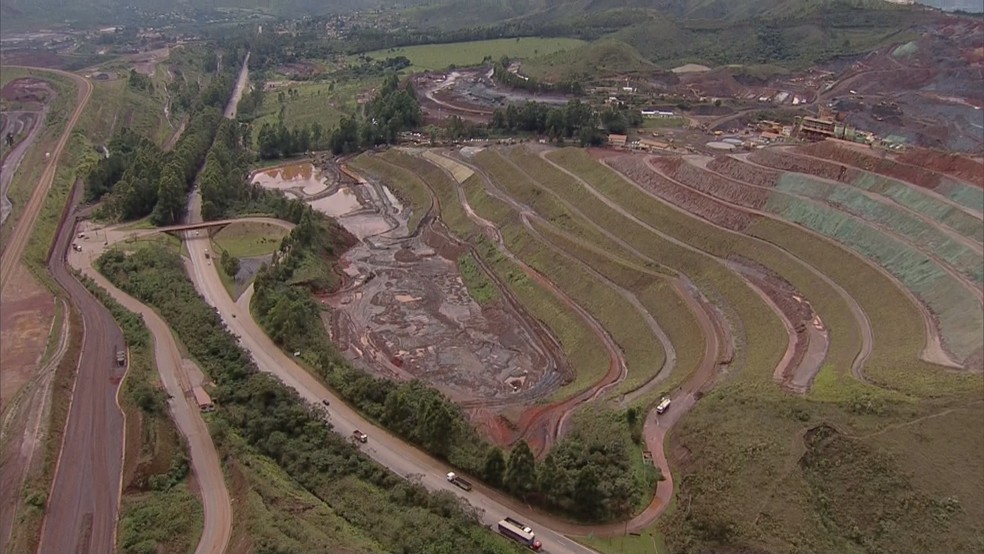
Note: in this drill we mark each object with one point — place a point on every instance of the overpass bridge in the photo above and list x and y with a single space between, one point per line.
210 226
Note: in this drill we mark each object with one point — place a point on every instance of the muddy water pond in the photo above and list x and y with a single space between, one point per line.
304 181
292 176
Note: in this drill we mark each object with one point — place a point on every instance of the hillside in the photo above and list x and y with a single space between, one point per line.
601 57
793 33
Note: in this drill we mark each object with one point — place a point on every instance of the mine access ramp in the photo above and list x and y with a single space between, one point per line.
519 532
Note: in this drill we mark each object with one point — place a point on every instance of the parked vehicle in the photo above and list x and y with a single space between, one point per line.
360 436
520 533
203 399
663 405
457 480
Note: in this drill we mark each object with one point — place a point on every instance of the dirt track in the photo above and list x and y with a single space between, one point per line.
84 498
18 240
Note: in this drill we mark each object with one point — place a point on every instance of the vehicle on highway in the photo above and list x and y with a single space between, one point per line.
325 402
519 532
663 405
206 255
455 479
360 436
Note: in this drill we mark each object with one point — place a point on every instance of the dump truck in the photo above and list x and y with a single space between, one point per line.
457 480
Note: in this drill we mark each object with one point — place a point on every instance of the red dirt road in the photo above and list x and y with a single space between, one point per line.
18 240
84 499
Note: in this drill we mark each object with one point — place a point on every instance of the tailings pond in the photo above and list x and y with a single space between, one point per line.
403 311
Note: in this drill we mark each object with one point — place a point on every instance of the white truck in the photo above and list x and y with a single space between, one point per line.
459 481
663 405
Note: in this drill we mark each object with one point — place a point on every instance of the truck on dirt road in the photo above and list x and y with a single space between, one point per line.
457 480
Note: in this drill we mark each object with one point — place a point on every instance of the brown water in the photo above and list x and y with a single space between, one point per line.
298 175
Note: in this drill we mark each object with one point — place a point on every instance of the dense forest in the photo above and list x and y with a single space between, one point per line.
142 180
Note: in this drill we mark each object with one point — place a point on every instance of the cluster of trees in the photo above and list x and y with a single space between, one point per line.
154 183
392 110
139 82
224 174
275 422
143 180
277 141
576 119
588 474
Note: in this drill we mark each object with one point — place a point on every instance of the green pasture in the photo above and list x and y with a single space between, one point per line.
324 103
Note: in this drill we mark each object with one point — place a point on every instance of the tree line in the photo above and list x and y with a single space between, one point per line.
574 120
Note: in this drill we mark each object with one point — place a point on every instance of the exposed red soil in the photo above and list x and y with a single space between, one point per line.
880 164
794 307
789 161
746 173
25 322
27 89
712 184
954 165
637 169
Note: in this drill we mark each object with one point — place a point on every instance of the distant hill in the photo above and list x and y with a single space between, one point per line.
605 56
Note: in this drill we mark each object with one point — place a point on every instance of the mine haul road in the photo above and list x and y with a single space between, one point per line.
84 499
18 240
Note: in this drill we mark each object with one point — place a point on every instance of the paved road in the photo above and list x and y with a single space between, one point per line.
184 411
18 241
237 93
13 158
84 498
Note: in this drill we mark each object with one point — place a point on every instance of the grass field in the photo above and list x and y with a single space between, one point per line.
314 102
744 439
436 57
479 286
249 240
